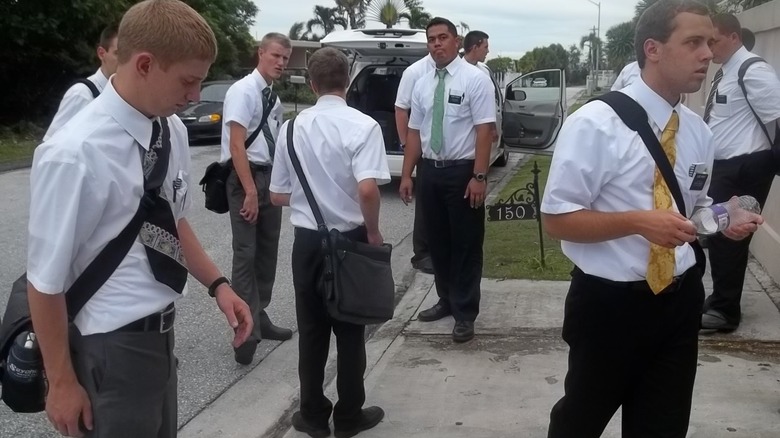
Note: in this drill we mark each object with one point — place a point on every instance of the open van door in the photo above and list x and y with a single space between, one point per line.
534 109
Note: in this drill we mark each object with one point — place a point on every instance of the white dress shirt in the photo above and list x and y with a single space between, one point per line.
244 105
469 100
85 185
338 146
627 76
734 126
600 164
411 75
76 98
484 68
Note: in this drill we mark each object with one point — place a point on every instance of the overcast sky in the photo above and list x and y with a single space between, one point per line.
514 26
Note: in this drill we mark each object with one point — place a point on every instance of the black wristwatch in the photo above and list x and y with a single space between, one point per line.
215 284
480 177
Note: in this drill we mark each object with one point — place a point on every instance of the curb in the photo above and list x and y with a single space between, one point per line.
8 166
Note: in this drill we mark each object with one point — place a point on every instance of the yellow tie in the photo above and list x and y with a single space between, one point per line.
660 267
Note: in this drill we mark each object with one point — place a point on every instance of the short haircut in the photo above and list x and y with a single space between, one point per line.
727 24
107 36
329 70
474 39
168 29
275 37
657 23
438 21
748 38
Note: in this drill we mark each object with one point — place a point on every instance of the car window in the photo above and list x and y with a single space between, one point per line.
214 92
539 87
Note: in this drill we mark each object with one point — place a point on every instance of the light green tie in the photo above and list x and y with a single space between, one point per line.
438 113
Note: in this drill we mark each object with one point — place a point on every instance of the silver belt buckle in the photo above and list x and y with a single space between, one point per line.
165 328
439 164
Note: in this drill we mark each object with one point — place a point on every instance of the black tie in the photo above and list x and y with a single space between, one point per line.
711 96
269 100
158 233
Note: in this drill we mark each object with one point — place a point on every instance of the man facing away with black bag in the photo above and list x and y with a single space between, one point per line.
342 155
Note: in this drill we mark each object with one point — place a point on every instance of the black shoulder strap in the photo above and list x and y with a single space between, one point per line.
321 226
267 107
91 85
741 80
103 266
635 117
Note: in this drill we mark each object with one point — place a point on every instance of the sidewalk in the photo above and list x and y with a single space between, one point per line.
504 382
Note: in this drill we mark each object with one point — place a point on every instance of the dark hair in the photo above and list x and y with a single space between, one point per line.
748 38
107 35
329 70
727 24
657 23
438 21
473 39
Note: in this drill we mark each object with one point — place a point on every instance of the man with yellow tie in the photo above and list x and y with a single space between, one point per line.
632 312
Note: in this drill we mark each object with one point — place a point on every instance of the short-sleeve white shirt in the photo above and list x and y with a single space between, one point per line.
469 100
411 75
74 100
86 184
338 146
244 105
734 126
600 164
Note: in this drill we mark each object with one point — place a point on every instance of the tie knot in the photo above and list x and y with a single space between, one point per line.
156 139
266 92
441 73
674 122
718 74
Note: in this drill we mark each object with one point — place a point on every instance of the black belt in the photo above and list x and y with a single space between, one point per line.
440 164
260 167
161 322
639 286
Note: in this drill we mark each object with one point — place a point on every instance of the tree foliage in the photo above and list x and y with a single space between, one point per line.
387 12
500 64
620 45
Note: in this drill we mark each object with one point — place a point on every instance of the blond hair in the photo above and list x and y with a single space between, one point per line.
168 29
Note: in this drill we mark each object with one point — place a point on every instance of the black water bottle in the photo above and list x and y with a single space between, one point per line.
24 383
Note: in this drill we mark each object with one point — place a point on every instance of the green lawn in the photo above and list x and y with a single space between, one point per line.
512 248
14 148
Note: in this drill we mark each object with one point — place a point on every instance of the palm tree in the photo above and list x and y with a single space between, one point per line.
463 28
387 12
327 19
417 18
297 32
620 45
355 12
594 46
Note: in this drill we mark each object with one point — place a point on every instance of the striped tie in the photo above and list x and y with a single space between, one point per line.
711 96
269 98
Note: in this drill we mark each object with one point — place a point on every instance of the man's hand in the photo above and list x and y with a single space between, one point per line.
67 402
405 190
475 191
667 228
250 209
376 239
739 232
237 313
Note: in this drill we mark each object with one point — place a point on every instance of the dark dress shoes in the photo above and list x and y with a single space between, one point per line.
714 320
424 265
245 352
274 333
301 425
369 417
463 331
435 313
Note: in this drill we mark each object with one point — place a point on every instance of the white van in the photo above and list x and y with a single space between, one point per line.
528 120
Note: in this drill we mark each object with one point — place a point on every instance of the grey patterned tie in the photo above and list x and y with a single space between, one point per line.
158 233
269 100
711 96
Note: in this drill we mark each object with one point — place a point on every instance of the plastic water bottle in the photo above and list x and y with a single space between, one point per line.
718 217
24 383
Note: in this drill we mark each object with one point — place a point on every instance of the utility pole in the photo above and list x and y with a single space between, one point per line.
598 34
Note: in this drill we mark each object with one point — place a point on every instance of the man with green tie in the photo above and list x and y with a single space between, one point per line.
450 127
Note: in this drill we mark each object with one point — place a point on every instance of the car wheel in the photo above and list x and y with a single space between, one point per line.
502 159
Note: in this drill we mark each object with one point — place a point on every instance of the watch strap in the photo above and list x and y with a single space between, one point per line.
215 284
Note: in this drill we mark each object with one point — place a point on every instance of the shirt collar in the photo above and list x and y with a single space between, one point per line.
100 79
331 100
452 67
130 119
259 79
658 109
736 59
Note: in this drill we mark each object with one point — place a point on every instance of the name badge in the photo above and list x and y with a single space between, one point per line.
720 98
456 97
699 174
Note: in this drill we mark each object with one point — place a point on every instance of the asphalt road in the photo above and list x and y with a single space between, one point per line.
203 337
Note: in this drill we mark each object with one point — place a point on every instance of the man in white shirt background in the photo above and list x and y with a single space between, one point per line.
635 283
476 49
253 114
421 259
744 162
450 128
342 155
627 76
80 93
113 374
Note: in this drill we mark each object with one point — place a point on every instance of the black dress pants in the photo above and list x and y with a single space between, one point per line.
752 175
456 233
419 233
628 348
314 327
